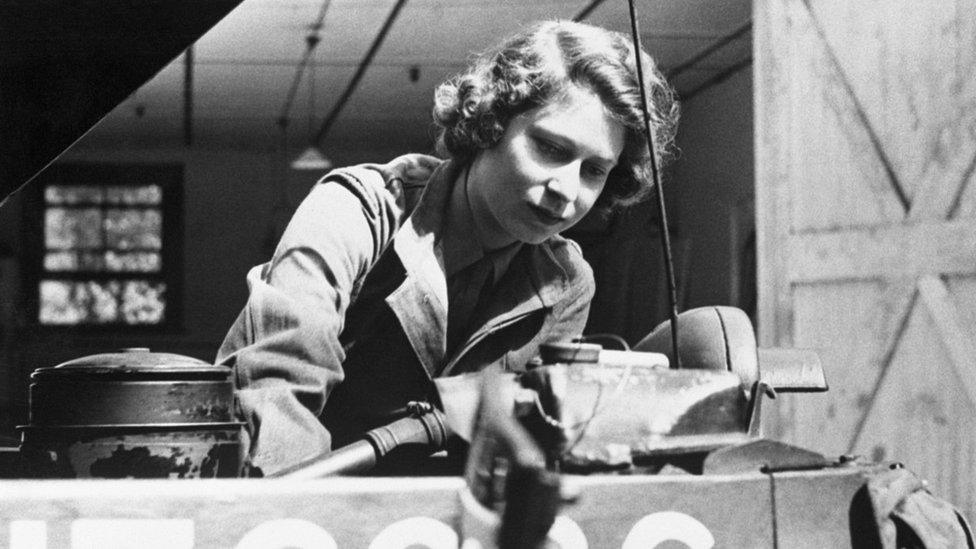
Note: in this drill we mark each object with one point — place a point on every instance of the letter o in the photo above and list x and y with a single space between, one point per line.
567 534
657 528
413 531
290 533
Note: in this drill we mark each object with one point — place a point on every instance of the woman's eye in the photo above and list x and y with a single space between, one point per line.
593 170
549 148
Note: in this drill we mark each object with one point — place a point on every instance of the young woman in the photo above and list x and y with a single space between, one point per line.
363 305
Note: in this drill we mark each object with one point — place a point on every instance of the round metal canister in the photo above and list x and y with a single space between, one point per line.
132 414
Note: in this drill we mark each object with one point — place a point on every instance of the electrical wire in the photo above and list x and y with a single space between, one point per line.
708 50
586 11
311 41
367 60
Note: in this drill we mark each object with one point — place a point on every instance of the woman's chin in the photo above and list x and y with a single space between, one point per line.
536 235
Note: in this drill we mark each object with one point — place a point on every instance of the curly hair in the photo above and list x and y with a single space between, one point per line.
533 69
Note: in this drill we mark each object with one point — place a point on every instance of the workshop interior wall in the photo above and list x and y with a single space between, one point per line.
236 201
708 187
713 181
233 211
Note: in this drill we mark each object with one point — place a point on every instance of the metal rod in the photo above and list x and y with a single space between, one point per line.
718 78
708 50
311 40
658 188
188 96
296 81
367 60
585 12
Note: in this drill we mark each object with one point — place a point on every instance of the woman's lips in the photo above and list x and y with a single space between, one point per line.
545 216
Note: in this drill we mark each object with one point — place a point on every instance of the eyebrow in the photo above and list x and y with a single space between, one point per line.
565 141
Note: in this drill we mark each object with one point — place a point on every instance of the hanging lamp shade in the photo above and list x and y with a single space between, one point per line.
311 159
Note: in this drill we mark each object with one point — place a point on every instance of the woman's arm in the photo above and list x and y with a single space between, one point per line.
285 346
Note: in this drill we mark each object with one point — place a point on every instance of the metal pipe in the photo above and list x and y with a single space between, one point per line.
367 60
718 78
355 458
311 41
188 96
708 50
585 12
424 427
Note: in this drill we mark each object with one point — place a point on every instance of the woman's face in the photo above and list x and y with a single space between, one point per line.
546 172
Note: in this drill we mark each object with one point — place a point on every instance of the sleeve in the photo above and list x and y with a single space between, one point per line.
284 346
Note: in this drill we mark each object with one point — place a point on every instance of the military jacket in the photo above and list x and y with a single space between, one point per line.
347 322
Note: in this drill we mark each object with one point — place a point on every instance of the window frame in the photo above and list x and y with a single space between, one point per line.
169 177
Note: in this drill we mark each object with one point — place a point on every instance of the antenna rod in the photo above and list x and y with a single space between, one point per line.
659 190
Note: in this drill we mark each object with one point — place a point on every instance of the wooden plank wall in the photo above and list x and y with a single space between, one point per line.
866 225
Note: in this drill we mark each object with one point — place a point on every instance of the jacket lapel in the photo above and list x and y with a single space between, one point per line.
534 281
420 303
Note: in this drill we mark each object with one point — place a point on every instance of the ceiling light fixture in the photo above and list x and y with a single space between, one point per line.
312 158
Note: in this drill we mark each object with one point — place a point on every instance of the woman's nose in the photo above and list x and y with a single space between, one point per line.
564 184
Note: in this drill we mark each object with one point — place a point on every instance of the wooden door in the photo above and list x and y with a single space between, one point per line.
866 225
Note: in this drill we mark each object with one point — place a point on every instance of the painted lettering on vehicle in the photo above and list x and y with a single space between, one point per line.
116 533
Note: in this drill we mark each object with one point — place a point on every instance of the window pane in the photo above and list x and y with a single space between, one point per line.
66 228
58 304
143 302
91 261
104 304
64 302
77 261
60 261
73 194
137 262
105 221
134 229
134 195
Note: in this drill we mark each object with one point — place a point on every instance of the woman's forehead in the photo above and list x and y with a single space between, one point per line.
580 115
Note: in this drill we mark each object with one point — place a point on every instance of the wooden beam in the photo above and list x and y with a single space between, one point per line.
858 111
883 252
941 192
898 326
948 323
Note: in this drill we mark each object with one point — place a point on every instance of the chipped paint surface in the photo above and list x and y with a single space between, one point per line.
100 453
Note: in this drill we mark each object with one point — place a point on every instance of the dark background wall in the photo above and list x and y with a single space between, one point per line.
236 200
713 180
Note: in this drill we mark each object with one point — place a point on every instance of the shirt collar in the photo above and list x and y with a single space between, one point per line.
460 244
